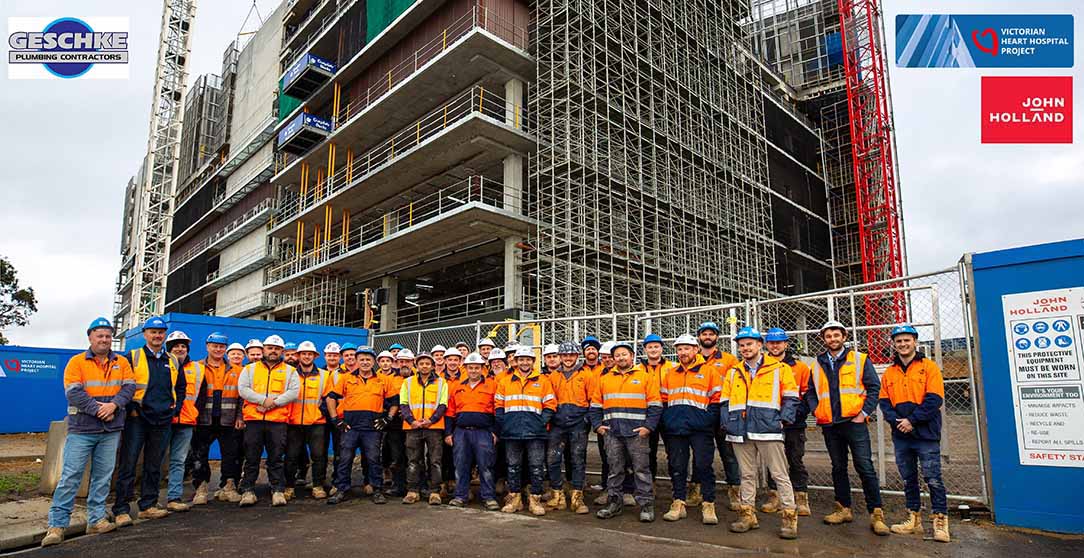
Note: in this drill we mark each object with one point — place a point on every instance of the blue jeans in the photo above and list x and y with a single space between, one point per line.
474 447
180 441
101 451
572 441
536 458
151 440
912 453
730 461
702 447
369 443
854 437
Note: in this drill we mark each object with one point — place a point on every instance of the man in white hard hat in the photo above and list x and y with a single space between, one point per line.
254 350
308 422
333 360
551 360
605 355
484 346
524 404
268 387
470 429
180 435
453 360
423 400
437 352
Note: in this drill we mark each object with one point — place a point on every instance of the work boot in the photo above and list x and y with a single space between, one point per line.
333 491
801 502
103 526
647 513
911 526
877 522
707 513
747 519
492 505
336 498
435 499
534 504
512 503
200 499
772 505
378 498
628 500
410 497
176 506
557 501
457 503
153 513
319 493
278 499
229 492
677 511
612 509
602 499
940 528
789 528
841 515
122 520
367 489
443 490
248 499
288 494
54 535
694 497
734 492
577 504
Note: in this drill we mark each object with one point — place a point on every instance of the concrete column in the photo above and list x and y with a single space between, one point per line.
513 183
513 281
389 312
513 103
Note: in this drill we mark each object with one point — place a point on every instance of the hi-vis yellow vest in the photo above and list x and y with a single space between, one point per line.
142 374
852 393
193 377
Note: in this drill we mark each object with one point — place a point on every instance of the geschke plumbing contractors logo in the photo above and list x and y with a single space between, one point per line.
67 47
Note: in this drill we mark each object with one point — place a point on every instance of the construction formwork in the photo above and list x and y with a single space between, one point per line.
649 184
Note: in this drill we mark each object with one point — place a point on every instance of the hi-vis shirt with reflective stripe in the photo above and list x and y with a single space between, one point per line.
143 373
268 383
626 401
659 371
852 392
756 406
691 396
424 399
524 405
193 379
89 383
220 395
305 410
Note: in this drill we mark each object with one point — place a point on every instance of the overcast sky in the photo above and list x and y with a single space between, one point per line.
70 146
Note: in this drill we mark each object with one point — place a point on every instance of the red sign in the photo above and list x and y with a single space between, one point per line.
1027 109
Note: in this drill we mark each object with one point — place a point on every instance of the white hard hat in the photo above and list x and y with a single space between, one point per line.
235 346
405 354
524 351
475 358
686 339
496 354
607 348
438 349
550 349
833 324
274 340
253 343
307 346
453 352
177 336
486 342
331 348
385 354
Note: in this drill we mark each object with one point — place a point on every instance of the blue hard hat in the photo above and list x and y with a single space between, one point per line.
348 346
708 325
289 346
216 337
776 334
652 338
365 350
904 328
568 348
396 346
748 333
154 323
590 341
98 323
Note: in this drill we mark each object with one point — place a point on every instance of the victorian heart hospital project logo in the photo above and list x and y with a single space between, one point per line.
67 47
1027 109
984 41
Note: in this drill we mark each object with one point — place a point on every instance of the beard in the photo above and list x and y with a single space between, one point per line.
708 344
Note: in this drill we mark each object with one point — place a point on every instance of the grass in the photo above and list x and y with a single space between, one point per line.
16 483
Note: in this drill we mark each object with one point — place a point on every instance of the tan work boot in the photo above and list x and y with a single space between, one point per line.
319 493
368 489
176 506
747 519
628 500
534 504
940 528
288 494
435 499
911 526
278 499
577 504
200 499
789 528
410 497
801 503
230 493
443 490
557 501
602 499
153 513
103 526
512 503
734 492
694 497
53 535
122 520
772 505
248 499
877 522
707 513
677 511
841 515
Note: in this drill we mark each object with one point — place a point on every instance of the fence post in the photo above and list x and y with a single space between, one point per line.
576 330
732 325
967 310
418 346
477 331
613 328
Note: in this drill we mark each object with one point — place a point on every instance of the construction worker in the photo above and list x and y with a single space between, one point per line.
657 366
759 398
385 363
777 344
721 361
452 373
843 394
465 349
437 352
497 368
348 353
690 394
289 353
333 360
497 363
160 387
394 350
367 400
486 345
625 408
568 430
307 422
524 404
605 355
912 393
395 437
180 437
254 350
551 358
589 349
423 400
238 364
218 421
453 360
268 387
470 428
98 385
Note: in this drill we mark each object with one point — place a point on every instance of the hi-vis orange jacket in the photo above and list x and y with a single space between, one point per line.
691 398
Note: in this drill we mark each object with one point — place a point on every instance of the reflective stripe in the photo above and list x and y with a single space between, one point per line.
716 389
609 396
523 409
690 390
664 390
534 398
308 401
764 405
853 391
735 439
72 386
654 404
790 393
498 397
229 405
764 437
737 407
684 401
97 383
596 405
548 397
628 416
141 386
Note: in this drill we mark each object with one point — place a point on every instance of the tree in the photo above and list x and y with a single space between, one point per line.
16 304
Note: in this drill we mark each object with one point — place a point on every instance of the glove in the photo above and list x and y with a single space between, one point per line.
380 423
341 425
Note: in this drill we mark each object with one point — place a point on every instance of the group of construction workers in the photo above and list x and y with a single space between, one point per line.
441 420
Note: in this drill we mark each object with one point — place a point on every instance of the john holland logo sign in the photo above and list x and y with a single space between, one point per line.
1027 109
67 48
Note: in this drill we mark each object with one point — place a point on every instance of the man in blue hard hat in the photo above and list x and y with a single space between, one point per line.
720 361
657 366
777 344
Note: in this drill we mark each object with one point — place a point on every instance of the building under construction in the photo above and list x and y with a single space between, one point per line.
430 162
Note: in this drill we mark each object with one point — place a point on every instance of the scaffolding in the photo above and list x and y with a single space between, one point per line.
649 184
319 299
